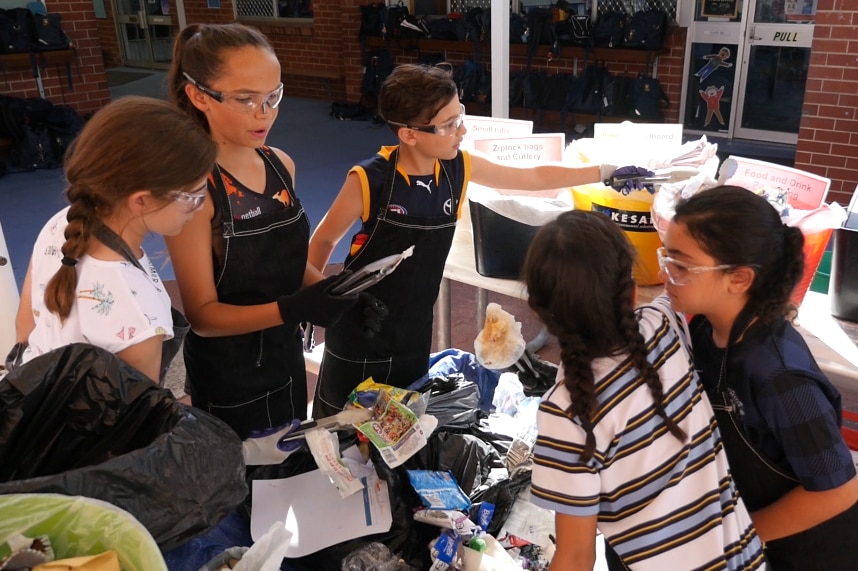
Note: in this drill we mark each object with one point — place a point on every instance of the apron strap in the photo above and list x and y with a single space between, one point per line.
113 241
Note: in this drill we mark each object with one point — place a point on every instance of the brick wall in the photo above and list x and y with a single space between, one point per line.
88 92
108 38
828 136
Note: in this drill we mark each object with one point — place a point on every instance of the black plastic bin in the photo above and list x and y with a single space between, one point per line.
500 243
843 284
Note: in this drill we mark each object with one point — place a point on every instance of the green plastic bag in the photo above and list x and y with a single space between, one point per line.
77 525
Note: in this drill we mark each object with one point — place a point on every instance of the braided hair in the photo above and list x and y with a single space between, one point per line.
131 144
578 273
740 228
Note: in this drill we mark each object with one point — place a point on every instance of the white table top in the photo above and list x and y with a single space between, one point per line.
828 338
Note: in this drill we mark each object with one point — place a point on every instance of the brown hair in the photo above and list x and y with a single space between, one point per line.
131 144
741 228
198 51
578 273
414 94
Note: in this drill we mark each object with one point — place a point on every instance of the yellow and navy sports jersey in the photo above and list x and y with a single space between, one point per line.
423 196
661 503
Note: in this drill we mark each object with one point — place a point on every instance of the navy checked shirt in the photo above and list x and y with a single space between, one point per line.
788 409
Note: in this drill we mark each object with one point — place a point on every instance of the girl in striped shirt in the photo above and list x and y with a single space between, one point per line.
628 445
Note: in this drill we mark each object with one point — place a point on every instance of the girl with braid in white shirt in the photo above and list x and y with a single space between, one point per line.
139 166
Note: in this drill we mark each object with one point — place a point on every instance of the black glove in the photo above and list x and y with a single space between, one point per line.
314 304
374 311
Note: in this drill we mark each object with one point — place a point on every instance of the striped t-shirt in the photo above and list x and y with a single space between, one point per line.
661 503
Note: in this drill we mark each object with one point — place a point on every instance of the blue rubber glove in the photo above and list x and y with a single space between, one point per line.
266 447
630 184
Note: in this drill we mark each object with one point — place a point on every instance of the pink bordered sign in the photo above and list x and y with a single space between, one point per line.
806 191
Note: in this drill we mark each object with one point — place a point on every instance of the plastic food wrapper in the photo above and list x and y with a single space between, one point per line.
395 430
325 447
500 343
438 490
366 395
374 556
528 522
456 520
443 550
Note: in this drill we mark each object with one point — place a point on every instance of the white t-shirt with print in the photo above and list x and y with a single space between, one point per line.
116 305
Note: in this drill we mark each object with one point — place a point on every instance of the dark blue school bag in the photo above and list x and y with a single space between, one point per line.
17 34
646 30
609 30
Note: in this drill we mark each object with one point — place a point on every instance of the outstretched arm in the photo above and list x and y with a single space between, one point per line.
486 172
346 209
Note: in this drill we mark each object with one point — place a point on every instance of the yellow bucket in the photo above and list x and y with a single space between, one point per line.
632 214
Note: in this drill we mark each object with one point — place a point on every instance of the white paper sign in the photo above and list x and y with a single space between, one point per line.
660 134
528 150
315 513
491 128
805 190
524 151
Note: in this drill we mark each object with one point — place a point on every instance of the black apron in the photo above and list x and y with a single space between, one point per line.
256 380
399 354
761 482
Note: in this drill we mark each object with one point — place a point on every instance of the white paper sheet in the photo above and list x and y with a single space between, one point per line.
315 513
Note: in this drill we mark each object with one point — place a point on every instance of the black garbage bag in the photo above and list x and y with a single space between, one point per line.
454 401
79 421
468 458
502 495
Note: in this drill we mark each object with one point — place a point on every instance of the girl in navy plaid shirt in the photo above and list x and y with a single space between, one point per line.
730 261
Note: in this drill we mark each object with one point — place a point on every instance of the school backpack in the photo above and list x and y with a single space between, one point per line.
646 30
372 20
574 31
647 98
377 65
13 117
394 16
49 32
609 30
16 31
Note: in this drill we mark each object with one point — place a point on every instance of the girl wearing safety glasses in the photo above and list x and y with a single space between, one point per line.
241 263
730 261
138 166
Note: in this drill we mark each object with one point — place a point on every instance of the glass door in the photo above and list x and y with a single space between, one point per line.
145 32
774 70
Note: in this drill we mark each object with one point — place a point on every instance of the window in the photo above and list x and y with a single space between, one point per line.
274 8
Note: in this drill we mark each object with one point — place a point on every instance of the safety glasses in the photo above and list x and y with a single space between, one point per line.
679 273
239 100
446 129
190 200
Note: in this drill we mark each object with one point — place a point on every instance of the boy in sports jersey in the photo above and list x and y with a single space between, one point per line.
408 194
